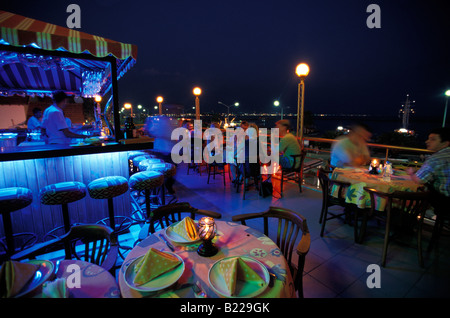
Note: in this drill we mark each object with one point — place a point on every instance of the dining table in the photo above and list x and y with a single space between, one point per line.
360 178
232 240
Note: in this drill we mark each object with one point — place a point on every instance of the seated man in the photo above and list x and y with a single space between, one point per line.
352 150
435 172
289 145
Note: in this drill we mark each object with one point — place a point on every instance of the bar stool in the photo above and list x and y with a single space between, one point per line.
134 154
62 194
169 171
11 200
146 181
137 160
143 165
109 188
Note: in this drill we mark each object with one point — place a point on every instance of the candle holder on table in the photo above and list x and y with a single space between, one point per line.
206 232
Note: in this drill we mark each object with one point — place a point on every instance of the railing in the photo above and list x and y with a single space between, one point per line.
370 145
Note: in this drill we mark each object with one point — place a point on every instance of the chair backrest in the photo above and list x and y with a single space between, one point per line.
171 213
411 203
299 158
289 225
92 243
326 184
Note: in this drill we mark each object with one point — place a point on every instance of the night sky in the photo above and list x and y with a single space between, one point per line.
247 51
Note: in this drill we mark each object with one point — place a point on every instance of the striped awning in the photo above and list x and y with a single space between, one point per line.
23 73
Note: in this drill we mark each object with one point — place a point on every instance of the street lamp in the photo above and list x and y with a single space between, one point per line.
197 91
228 107
447 94
159 99
276 104
128 106
302 71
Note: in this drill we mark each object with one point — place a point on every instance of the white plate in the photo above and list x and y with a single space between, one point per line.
158 283
43 273
243 290
174 237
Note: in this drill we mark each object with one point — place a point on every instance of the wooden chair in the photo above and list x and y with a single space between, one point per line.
246 171
328 200
94 243
294 174
171 213
409 207
289 225
440 204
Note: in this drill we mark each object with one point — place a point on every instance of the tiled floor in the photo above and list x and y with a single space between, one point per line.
335 265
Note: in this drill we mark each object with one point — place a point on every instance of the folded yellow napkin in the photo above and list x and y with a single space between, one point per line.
154 264
14 276
187 229
236 268
55 289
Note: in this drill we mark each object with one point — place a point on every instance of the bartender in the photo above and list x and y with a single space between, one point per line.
55 123
35 121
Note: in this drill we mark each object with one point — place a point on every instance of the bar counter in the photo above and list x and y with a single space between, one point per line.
35 167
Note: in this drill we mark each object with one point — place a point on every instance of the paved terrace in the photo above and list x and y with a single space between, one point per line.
336 266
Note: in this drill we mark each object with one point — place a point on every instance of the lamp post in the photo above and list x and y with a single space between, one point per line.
447 94
128 106
228 107
159 99
276 104
197 91
302 71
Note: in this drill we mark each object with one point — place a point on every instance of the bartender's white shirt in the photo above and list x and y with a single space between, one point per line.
53 121
33 123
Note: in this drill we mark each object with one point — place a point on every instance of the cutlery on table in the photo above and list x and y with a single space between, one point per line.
169 245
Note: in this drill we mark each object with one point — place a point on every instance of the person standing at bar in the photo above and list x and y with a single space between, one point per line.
55 123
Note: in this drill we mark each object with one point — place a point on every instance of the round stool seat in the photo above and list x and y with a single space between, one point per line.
134 154
167 169
15 198
62 193
146 180
139 159
146 162
108 187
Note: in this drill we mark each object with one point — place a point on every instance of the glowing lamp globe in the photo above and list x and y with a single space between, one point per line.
197 91
302 70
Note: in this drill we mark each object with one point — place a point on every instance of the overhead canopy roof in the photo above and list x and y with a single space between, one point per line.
40 70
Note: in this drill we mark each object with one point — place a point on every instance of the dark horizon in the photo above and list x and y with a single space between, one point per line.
246 51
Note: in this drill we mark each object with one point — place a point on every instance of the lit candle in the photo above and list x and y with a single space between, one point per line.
206 232
207 228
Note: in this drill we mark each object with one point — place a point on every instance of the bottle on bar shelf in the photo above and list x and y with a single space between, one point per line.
130 128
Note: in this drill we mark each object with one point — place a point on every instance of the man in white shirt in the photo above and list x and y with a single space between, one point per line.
55 123
35 121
